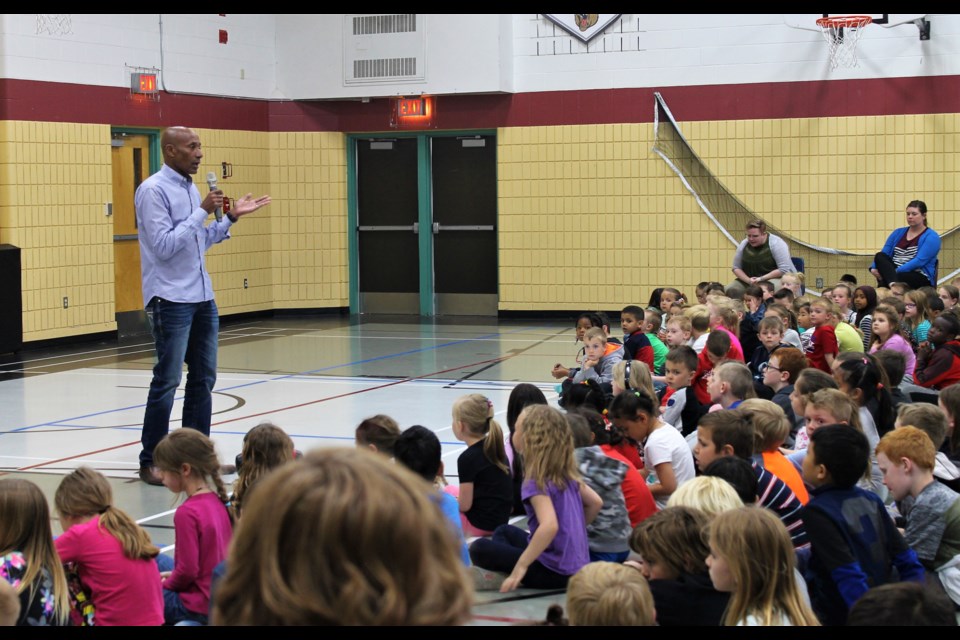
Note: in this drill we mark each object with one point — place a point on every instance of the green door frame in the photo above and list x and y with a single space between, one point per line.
424 210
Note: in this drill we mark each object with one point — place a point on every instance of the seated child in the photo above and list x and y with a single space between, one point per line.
790 335
711 494
750 323
855 544
780 373
823 347
632 374
486 488
906 457
378 433
933 422
607 535
938 366
894 365
771 427
808 382
651 327
679 331
113 555
666 454
636 494
636 345
608 594
771 338
801 308
730 385
680 407
600 358
585 321
848 338
699 316
717 351
418 449
674 556
728 433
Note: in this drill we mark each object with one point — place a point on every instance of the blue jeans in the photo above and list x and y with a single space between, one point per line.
173 610
183 332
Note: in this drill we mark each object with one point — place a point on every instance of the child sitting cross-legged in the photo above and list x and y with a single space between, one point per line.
906 457
780 374
771 426
636 344
855 544
600 358
938 366
680 406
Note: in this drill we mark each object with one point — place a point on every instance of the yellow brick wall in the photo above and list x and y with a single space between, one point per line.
591 218
308 176
55 179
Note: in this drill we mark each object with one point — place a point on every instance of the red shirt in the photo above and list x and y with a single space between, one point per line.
824 342
636 493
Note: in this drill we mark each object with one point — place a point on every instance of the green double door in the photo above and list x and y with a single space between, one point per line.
423 228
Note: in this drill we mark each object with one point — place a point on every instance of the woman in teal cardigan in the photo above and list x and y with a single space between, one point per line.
910 253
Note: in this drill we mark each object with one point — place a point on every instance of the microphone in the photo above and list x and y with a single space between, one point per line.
212 183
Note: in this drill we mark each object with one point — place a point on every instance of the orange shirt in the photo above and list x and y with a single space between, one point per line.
777 464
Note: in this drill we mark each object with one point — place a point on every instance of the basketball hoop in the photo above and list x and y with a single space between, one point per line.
843 47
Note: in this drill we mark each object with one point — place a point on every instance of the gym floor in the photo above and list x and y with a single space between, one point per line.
316 377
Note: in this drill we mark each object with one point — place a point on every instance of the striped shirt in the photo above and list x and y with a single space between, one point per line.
906 250
775 495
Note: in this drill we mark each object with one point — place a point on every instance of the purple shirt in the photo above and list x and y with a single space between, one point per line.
897 343
173 240
125 592
568 551
203 532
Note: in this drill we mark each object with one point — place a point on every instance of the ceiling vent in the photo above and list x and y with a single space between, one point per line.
380 49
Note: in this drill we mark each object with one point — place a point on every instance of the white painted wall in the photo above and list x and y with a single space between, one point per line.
301 56
99 48
652 50
464 53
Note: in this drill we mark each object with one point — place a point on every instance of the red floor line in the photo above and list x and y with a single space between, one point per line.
263 413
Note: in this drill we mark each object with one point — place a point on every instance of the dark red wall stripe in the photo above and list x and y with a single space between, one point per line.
60 102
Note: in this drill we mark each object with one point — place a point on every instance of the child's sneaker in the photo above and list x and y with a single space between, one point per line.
486 580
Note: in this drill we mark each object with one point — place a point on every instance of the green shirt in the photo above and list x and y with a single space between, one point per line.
848 338
659 353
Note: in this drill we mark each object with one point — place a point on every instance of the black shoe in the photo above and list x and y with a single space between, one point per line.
149 475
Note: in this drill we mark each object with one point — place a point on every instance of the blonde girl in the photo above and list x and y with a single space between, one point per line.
188 464
113 555
559 506
28 559
886 335
265 447
794 282
916 316
665 451
709 494
486 490
638 378
752 558
343 537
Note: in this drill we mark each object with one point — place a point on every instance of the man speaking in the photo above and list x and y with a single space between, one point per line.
177 291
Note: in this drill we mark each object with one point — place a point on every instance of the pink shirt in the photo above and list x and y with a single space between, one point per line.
203 533
897 343
125 592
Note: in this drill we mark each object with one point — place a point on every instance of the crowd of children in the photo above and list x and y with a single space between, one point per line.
779 459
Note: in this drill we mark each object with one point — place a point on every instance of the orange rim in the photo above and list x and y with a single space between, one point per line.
845 21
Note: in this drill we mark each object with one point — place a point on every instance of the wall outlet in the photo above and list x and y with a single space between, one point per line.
245 283
66 302
819 283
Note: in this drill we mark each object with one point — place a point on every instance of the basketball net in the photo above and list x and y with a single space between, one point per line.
54 24
843 44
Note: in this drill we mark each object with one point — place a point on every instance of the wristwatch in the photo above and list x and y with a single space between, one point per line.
232 218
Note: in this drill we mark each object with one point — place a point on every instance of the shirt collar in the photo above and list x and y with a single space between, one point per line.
174 176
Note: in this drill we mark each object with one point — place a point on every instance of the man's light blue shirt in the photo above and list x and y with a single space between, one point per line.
173 240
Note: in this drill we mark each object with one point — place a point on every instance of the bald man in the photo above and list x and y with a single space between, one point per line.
177 291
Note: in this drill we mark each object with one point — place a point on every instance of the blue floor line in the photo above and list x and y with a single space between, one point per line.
283 377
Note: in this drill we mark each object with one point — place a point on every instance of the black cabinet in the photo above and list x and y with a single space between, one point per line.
11 301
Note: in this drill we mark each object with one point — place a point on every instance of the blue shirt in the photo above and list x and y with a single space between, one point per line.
173 240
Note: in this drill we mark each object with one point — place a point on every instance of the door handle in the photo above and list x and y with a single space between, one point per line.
436 228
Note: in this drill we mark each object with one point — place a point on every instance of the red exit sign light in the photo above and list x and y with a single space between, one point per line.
144 83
